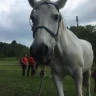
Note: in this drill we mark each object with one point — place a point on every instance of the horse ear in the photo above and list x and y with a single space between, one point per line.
32 2
60 3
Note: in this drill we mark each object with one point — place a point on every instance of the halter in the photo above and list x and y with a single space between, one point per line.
44 27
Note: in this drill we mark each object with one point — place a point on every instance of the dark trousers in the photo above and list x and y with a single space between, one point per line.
32 67
23 69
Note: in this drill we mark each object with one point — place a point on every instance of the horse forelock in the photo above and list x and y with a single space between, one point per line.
41 2
45 2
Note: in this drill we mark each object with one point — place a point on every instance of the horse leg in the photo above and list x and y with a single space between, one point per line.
59 84
86 81
78 81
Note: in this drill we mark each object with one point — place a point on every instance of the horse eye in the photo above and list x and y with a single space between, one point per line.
56 17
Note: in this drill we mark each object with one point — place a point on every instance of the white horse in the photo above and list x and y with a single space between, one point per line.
54 42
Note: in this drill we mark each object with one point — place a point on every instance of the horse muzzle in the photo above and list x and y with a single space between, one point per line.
41 53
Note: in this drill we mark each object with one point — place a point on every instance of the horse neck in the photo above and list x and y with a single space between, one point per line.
65 36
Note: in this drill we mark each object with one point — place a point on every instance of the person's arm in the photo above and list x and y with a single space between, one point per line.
22 62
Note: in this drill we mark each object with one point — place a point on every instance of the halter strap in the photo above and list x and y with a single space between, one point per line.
48 30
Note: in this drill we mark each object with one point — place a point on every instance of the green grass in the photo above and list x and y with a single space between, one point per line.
9 61
12 83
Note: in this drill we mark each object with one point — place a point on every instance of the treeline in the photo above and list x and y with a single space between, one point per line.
12 50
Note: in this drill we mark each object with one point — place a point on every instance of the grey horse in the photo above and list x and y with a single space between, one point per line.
57 46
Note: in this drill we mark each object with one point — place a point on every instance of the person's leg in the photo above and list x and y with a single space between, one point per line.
28 70
36 68
32 70
23 67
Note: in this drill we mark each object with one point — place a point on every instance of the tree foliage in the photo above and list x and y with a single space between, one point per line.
12 50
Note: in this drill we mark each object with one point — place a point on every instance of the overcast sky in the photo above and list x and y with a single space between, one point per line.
14 18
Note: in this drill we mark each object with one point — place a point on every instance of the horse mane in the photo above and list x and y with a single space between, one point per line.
43 1
63 25
40 2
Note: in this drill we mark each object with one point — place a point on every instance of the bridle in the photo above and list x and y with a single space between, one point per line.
44 27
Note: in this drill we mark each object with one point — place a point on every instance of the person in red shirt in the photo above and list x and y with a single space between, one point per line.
94 76
31 65
24 63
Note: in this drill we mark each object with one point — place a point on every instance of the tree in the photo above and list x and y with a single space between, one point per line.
1 56
13 42
13 49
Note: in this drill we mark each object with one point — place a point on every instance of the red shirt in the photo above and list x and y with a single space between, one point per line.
31 61
24 60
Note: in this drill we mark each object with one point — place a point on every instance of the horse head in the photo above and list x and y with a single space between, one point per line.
46 20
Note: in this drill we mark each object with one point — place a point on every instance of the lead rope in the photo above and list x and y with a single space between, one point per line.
42 73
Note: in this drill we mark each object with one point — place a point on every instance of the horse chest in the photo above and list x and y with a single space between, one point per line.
62 66
63 63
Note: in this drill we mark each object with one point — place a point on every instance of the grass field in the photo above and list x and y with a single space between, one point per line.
12 83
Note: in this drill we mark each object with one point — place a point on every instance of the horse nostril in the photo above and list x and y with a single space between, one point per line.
44 49
39 51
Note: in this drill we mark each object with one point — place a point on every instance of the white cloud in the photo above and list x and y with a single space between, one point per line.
5 9
5 22
6 5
